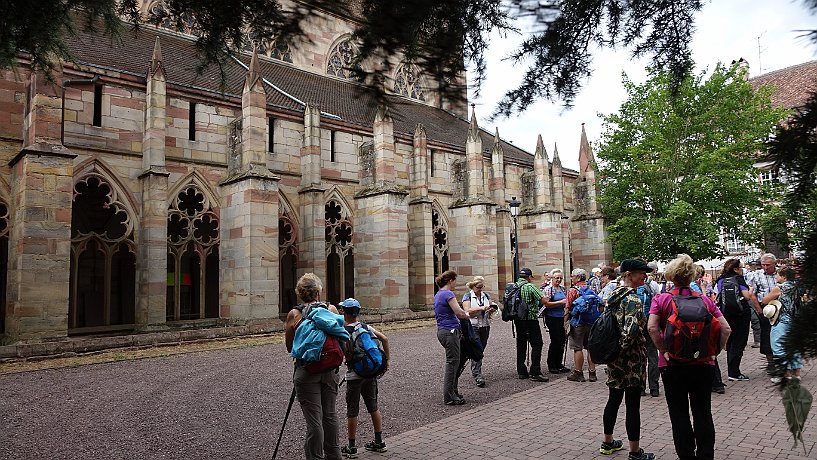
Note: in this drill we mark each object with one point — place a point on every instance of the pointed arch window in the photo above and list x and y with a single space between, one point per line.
407 82
102 288
276 48
288 265
192 256
340 264
440 239
4 258
159 16
341 61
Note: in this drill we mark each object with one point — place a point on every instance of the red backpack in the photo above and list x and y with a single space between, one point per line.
692 335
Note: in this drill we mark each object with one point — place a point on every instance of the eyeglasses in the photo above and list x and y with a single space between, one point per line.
557 277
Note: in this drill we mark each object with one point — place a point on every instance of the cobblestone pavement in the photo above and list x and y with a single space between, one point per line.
230 404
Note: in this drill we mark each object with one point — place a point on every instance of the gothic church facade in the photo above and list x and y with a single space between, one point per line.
138 195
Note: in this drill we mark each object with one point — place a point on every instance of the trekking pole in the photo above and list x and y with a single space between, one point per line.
289 408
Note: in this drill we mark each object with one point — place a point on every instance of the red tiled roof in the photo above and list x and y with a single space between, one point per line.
334 96
791 85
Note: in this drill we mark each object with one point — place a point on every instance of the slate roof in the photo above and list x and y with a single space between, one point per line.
132 55
791 85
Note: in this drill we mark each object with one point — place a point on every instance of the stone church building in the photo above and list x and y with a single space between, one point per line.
139 195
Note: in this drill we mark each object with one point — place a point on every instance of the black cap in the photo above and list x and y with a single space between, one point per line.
630 265
525 273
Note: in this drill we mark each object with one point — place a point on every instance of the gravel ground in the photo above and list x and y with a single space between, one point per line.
225 403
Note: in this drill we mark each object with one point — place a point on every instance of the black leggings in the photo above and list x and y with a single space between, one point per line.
633 405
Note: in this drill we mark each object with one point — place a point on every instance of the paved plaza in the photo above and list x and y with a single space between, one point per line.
230 403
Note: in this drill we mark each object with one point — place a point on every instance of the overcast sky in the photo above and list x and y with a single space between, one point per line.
762 32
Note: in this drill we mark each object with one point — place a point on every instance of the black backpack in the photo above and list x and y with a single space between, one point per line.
515 306
730 298
604 341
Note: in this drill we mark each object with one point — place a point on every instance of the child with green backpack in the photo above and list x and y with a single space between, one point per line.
367 358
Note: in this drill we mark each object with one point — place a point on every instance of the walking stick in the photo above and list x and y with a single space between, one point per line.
289 408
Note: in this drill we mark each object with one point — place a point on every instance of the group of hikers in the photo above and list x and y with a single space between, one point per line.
632 319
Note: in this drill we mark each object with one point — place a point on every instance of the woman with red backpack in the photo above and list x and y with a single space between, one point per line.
687 364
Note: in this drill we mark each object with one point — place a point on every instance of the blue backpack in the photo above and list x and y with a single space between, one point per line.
366 356
585 309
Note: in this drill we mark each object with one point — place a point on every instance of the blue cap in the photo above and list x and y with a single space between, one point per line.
350 305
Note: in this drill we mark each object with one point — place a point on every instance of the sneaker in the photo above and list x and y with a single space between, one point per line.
641 455
739 378
591 376
455 402
654 393
576 376
375 446
539 378
776 380
480 382
614 446
349 452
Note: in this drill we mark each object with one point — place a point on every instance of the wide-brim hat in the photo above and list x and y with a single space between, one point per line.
634 265
772 310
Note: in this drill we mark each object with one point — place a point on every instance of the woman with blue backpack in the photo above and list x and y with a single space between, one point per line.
626 373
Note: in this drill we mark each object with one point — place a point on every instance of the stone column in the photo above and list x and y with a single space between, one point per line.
40 236
312 240
151 303
381 223
420 238
249 217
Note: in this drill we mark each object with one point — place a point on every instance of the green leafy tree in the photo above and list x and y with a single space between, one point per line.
676 164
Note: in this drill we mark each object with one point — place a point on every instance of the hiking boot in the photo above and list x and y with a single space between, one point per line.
375 446
641 455
539 378
739 378
719 390
576 376
480 382
591 376
349 452
614 446
455 402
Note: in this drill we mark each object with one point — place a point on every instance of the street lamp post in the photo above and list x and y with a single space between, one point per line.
514 205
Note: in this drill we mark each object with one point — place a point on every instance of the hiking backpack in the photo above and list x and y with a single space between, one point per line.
729 297
515 306
604 341
366 355
585 309
332 352
692 334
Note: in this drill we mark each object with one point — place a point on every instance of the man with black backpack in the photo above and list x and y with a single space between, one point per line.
527 329
364 342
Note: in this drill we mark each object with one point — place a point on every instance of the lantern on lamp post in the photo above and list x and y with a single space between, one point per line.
514 204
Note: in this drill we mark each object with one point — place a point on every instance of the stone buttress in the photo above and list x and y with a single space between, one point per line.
472 232
249 215
504 226
40 237
588 231
152 248
541 245
420 228
312 240
381 236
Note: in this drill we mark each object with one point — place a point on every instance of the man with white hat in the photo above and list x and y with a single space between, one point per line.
595 280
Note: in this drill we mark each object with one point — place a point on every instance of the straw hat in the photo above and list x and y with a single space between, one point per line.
772 311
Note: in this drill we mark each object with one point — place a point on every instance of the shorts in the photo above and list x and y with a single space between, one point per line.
357 388
577 340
